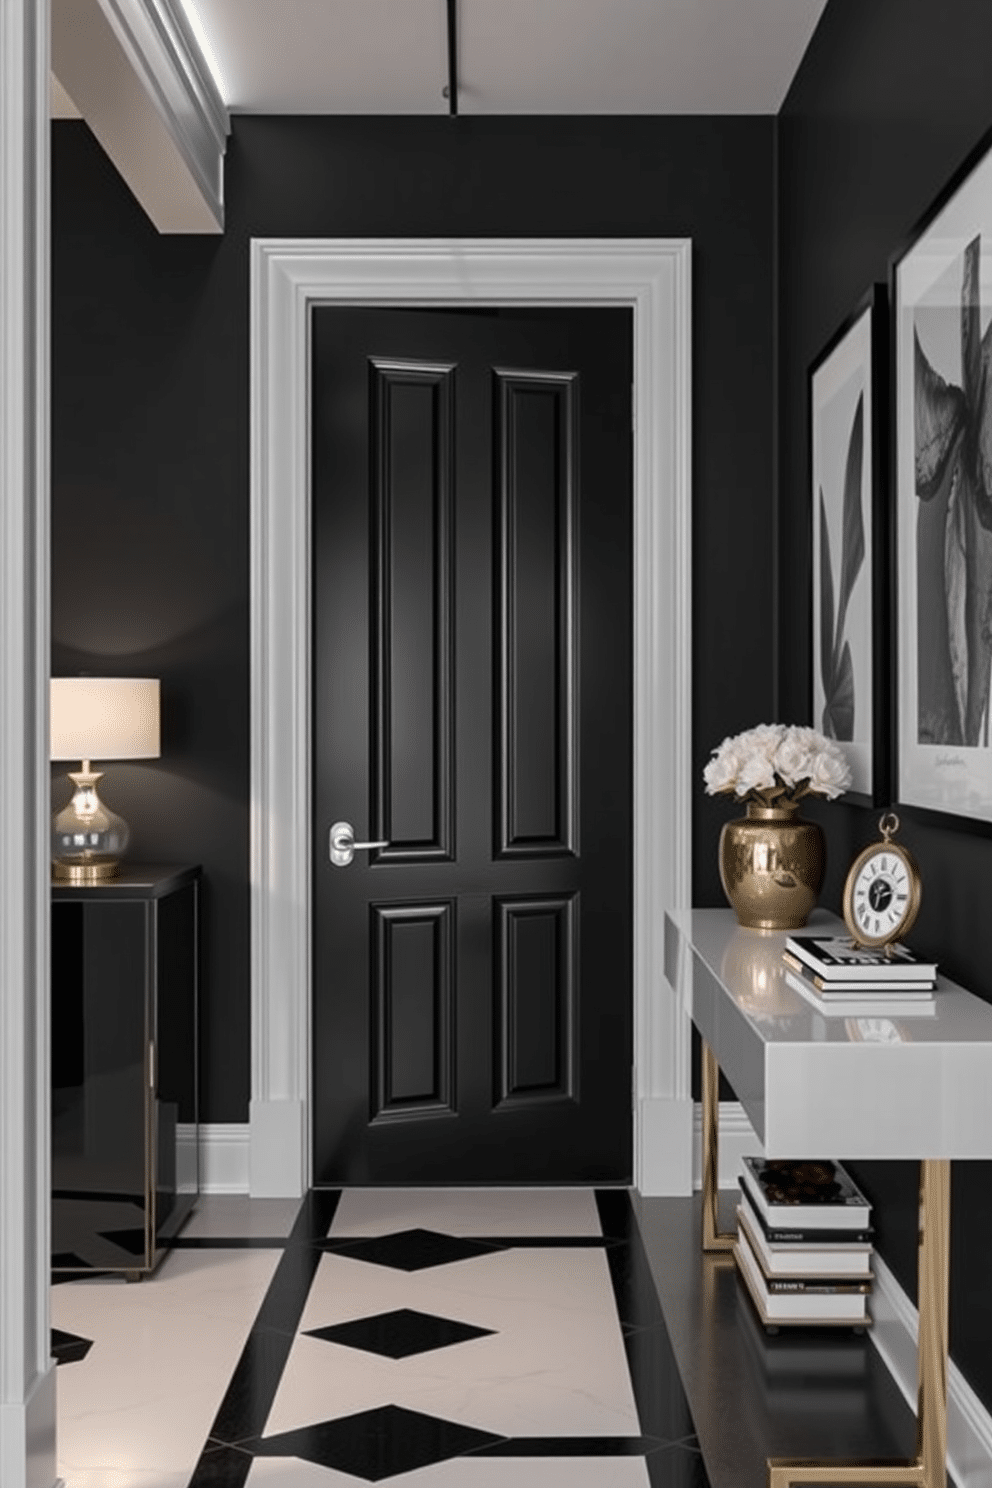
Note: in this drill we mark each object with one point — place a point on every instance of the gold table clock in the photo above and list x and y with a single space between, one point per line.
883 890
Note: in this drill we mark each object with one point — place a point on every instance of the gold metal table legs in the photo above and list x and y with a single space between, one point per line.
928 1469
714 1239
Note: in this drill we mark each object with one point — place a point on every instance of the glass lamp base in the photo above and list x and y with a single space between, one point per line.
85 872
88 840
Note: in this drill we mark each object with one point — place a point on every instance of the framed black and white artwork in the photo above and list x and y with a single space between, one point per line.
847 443
942 302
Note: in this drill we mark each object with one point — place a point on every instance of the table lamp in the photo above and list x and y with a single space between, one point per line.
104 718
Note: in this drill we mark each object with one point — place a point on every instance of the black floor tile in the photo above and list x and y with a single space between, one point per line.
131 1241
69 1348
400 1334
676 1467
70 1260
228 1242
376 1444
571 1446
662 1406
221 1467
412 1250
249 1396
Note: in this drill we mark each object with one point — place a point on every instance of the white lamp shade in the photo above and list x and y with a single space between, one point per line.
104 718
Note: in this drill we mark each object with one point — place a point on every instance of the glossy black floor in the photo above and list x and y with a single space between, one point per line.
381 1444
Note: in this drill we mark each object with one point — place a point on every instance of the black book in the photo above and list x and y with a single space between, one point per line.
839 959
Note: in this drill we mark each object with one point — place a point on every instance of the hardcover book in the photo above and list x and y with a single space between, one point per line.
813 1307
848 1264
804 1195
912 987
877 1004
838 959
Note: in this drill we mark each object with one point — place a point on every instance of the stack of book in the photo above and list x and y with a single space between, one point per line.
841 978
804 1243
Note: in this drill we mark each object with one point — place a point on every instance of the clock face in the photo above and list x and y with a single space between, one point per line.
880 896
882 893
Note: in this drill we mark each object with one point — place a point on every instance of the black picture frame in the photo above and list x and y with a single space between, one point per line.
941 297
850 672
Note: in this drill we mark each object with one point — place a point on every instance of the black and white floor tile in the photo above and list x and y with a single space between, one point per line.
435 1339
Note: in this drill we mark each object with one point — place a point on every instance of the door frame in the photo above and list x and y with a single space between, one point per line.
289 277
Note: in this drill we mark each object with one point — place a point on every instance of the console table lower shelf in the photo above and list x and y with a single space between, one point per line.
779 1067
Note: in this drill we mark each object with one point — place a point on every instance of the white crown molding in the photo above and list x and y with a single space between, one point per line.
653 278
27 1375
135 71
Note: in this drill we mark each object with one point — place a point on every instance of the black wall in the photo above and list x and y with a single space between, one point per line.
150 432
890 97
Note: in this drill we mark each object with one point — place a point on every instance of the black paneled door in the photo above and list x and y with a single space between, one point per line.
472 708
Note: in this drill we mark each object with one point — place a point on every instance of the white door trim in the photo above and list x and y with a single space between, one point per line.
27 1374
289 277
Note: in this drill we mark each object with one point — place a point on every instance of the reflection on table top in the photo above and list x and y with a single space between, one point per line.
818 1084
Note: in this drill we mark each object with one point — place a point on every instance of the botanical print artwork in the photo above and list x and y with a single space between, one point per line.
843 415
953 481
836 666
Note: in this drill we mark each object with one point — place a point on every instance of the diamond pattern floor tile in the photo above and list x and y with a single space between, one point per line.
400 1334
411 1250
69 1348
376 1444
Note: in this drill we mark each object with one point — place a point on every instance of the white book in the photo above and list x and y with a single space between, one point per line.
805 1261
790 1306
804 1195
862 1004
837 958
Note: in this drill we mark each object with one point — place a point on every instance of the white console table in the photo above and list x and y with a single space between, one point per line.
817 1085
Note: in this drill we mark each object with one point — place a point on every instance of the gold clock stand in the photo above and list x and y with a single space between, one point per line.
928 1469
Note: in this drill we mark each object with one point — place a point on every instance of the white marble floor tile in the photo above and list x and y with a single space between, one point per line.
467 1211
553 1365
466 1472
239 1217
488 1290
123 1477
143 1399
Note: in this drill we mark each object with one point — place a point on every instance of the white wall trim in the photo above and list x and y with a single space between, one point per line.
894 1333
212 1157
27 1375
135 71
653 277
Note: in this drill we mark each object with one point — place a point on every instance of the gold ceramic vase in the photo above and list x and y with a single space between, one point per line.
771 866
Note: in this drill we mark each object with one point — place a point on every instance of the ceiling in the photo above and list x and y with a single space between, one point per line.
514 56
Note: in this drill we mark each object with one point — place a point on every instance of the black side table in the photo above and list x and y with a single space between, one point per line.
125 971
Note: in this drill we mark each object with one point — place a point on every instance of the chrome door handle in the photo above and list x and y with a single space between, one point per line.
341 844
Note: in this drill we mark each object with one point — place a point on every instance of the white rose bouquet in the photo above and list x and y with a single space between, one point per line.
776 765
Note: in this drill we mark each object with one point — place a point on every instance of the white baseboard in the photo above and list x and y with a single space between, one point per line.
664 1165
223 1154
969 1424
737 1137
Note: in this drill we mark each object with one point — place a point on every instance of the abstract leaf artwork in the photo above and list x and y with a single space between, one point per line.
953 468
942 317
846 405
836 666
